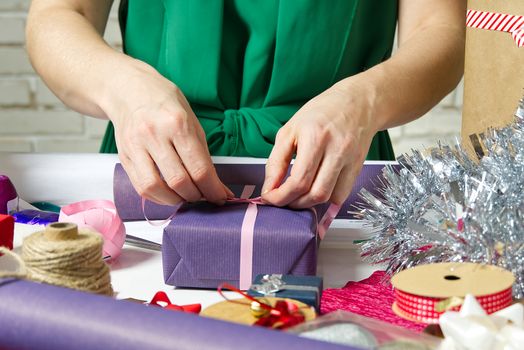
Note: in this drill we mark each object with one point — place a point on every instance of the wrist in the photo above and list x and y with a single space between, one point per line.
363 99
115 94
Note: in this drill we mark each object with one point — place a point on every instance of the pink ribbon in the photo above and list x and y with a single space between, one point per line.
100 216
498 21
247 232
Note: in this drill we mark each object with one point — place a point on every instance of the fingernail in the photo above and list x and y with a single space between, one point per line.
265 187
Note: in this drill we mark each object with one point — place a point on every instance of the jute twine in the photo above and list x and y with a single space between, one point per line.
65 256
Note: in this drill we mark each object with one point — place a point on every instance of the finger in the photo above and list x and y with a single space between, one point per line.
174 173
345 183
146 180
229 193
195 158
278 161
133 177
302 174
328 174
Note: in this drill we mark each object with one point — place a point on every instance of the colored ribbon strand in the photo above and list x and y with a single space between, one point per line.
100 216
428 310
161 298
247 237
498 21
284 314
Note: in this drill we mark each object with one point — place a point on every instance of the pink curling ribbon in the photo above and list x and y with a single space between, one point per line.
498 21
100 216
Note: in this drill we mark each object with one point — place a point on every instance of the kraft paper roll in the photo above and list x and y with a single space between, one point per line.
418 290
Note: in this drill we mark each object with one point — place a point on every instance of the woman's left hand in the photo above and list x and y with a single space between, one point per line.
330 135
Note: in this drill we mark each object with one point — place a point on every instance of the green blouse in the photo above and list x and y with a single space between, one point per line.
247 66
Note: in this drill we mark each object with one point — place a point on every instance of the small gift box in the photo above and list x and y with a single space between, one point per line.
307 289
206 245
7 228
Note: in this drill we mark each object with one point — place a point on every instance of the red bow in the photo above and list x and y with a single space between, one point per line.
161 297
283 315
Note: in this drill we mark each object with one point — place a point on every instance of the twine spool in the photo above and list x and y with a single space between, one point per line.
425 292
65 256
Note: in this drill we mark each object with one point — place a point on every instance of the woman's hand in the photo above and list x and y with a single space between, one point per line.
330 135
157 133
160 141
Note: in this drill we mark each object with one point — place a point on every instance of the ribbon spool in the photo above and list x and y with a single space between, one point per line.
425 292
65 256
279 313
99 216
242 310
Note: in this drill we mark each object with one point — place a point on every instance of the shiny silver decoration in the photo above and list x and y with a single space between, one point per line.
443 206
269 285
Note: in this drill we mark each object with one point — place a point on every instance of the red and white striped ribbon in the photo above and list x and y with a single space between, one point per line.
498 21
423 309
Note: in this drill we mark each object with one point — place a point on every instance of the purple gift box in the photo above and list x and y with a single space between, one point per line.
201 247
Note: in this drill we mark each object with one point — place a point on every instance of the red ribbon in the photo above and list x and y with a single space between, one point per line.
283 315
161 297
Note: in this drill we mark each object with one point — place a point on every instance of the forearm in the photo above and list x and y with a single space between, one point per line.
426 67
66 48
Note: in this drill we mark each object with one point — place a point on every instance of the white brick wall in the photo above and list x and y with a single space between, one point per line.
32 119
442 123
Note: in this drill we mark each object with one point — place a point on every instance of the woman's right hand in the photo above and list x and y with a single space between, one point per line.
160 141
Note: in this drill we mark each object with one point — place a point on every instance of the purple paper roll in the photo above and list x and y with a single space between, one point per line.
7 193
37 316
35 217
129 204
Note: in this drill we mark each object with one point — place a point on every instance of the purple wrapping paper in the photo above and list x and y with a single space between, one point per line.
129 205
38 316
201 245
35 217
7 193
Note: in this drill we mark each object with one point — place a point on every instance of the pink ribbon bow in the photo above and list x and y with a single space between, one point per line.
100 216
498 21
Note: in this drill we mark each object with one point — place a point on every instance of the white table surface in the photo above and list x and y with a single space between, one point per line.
137 273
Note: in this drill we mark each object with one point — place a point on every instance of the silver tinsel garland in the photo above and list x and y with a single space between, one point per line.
441 205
